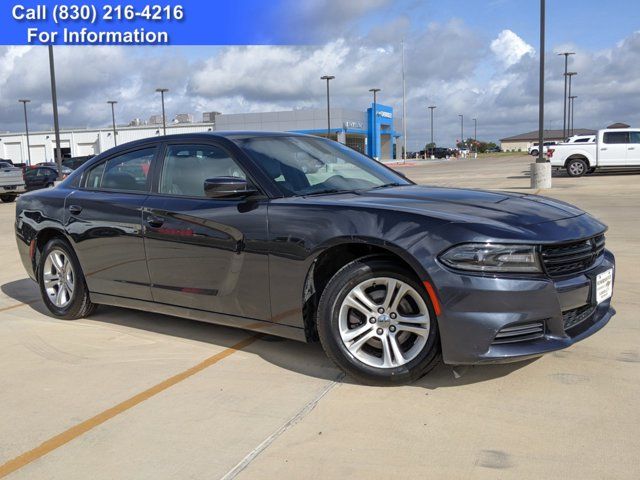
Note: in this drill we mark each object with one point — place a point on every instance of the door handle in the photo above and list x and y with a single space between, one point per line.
603 148
75 209
154 222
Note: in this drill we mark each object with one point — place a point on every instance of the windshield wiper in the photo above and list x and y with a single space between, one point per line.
392 184
327 192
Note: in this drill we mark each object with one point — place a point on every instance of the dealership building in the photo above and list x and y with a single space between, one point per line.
374 132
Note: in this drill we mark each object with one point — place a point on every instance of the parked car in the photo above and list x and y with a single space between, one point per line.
495 149
439 152
388 275
75 162
617 148
534 150
40 177
11 182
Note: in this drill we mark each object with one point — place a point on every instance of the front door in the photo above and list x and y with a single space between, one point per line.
613 149
633 149
203 253
104 218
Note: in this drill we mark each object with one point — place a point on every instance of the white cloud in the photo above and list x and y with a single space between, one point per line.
510 48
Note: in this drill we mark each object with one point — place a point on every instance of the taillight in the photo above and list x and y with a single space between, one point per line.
550 152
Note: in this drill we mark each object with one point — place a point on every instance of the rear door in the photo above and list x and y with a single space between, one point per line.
104 218
203 253
633 149
612 151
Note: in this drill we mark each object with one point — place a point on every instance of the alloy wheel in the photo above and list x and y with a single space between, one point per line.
576 168
59 278
384 322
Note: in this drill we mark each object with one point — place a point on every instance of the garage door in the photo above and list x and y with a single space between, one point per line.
13 152
86 149
38 154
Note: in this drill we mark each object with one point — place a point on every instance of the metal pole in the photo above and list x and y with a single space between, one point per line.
374 132
570 75
572 106
26 129
462 130
541 158
431 109
164 118
404 109
113 120
328 78
564 112
54 101
475 134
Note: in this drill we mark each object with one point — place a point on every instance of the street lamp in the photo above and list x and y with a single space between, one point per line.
569 75
113 120
54 101
374 133
475 134
328 78
571 109
461 129
564 114
24 102
541 169
431 108
162 91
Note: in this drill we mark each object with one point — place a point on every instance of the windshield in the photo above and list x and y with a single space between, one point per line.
313 166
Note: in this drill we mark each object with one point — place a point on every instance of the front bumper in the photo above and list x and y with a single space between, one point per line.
12 189
476 308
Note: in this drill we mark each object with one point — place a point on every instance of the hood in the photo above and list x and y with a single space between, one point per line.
463 205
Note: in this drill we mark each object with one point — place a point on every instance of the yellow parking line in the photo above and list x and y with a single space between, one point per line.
77 430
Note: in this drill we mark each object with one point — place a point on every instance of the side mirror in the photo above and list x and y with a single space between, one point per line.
228 187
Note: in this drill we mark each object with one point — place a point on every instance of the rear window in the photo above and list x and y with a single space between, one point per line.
616 137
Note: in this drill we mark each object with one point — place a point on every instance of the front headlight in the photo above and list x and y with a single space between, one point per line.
485 257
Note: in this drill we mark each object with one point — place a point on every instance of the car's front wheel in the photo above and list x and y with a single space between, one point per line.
62 283
376 322
7 198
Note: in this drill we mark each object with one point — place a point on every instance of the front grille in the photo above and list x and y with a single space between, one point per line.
519 333
573 317
574 257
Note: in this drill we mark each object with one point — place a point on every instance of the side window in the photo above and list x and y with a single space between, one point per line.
128 172
616 137
634 137
186 167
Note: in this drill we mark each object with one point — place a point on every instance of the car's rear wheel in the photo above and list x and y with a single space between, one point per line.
376 322
534 153
576 167
7 198
62 284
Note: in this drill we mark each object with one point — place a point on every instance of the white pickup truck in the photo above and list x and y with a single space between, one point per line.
11 182
613 149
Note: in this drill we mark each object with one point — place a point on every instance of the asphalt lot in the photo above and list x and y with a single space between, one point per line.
128 394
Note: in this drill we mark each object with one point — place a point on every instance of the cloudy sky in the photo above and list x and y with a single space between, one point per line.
477 58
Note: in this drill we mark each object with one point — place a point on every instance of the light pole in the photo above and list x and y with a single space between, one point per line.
162 91
541 169
571 109
374 132
113 121
328 78
475 134
461 129
431 108
564 114
569 75
24 102
54 101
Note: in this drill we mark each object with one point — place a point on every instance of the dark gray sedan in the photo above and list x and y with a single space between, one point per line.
305 238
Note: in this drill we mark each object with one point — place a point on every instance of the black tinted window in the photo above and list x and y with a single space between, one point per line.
634 137
186 167
126 172
616 137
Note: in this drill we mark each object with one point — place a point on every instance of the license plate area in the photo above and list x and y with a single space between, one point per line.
603 286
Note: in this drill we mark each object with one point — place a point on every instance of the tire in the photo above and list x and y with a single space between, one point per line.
67 298
533 153
7 198
340 324
577 167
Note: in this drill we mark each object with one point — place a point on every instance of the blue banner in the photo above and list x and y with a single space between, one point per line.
177 22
